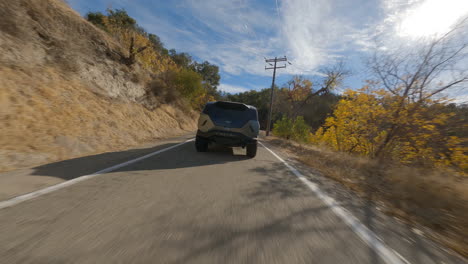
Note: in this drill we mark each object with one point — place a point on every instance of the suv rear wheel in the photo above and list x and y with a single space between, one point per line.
252 150
201 144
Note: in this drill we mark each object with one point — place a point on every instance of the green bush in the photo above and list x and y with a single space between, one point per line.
300 130
188 83
171 85
287 128
283 128
97 18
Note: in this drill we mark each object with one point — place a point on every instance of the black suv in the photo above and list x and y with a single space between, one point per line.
228 124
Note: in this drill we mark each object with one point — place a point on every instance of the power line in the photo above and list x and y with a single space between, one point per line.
275 60
300 68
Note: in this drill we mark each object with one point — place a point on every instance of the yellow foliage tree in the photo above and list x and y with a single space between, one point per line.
298 88
362 119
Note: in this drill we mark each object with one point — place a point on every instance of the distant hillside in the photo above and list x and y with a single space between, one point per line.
65 90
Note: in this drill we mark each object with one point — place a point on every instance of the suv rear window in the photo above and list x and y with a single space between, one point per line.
230 114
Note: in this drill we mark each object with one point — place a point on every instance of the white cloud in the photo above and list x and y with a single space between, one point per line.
243 57
228 88
408 23
230 36
238 34
429 17
230 16
310 33
310 29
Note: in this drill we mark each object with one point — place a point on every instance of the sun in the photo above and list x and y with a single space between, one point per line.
432 17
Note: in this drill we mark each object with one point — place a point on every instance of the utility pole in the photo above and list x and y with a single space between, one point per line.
275 60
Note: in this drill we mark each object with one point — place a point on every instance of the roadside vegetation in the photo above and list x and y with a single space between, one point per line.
73 86
400 140
313 105
175 75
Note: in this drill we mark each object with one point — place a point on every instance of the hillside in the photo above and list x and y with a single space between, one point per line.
64 91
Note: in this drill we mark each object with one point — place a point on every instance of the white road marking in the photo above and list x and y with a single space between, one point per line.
29 196
370 238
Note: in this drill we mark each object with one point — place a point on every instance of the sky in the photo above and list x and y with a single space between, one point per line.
237 35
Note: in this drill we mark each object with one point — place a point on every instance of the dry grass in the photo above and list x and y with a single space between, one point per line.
46 117
435 199
64 92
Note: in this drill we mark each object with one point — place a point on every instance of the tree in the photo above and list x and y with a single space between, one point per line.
356 122
98 19
319 108
120 18
301 90
210 74
315 111
182 59
298 88
458 123
157 44
360 124
418 76
189 85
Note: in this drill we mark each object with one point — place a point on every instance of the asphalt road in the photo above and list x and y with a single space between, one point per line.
181 206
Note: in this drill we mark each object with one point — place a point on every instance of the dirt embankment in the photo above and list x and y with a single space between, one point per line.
64 91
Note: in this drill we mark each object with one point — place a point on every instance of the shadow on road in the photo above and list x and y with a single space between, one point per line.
256 227
274 185
180 157
279 183
251 244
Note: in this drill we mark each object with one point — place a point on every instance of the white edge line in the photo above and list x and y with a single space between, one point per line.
370 238
18 199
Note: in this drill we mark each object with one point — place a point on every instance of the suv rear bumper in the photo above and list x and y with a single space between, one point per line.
226 138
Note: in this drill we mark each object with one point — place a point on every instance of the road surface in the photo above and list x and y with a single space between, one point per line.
180 206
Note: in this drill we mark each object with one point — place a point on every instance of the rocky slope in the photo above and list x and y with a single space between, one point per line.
64 91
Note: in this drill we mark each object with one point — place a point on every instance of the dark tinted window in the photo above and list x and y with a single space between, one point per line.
230 114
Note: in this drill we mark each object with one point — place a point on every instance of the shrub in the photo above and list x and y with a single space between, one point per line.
300 130
189 85
162 86
287 128
283 128
98 19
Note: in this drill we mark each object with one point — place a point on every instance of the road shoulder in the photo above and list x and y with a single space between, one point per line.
410 241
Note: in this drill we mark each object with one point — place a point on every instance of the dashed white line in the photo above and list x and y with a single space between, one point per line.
370 238
29 196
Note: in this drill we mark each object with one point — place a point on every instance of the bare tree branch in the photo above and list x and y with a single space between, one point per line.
445 87
411 76
334 77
